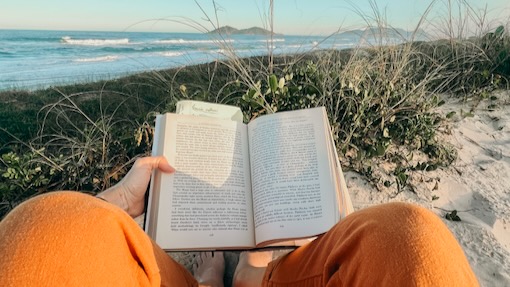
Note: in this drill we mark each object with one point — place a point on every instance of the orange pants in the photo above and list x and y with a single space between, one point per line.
73 239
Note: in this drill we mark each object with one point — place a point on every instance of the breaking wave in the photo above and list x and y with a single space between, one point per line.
94 42
97 59
171 54
182 41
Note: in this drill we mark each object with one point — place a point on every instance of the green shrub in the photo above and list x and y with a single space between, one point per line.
22 176
372 99
497 46
380 101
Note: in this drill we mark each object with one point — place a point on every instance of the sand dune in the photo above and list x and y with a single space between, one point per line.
477 185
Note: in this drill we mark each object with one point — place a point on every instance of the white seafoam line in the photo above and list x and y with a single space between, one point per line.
109 58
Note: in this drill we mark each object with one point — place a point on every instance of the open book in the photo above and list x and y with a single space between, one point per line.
240 186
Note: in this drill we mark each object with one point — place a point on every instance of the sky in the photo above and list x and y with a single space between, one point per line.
293 17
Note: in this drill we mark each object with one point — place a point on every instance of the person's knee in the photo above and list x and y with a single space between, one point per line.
53 204
409 211
410 216
63 208
70 234
402 220
389 237
38 204
415 237
392 223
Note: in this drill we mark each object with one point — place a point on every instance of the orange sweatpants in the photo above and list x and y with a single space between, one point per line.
73 239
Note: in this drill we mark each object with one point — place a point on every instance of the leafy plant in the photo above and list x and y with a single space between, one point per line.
497 46
380 100
452 216
21 177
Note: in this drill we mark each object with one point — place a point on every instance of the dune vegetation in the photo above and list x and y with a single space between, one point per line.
380 99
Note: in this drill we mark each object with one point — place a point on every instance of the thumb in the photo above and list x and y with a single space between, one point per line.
154 162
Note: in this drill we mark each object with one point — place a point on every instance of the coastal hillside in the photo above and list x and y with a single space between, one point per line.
369 32
387 32
228 30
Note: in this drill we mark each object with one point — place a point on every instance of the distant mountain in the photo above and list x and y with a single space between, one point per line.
224 30
419 35
250 31
368 33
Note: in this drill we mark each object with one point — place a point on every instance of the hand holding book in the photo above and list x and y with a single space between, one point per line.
129 193
245 186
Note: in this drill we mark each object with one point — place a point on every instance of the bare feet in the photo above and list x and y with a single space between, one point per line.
251 268
209 269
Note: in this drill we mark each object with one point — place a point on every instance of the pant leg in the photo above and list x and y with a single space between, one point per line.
73 239
395 244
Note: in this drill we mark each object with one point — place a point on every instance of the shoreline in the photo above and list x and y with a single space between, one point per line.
37 59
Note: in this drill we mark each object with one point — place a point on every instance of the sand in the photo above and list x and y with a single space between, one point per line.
477 185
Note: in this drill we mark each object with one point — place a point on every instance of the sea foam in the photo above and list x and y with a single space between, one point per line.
182 41
97 59
94 42
171 54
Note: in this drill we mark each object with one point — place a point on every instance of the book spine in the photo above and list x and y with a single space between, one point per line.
153 193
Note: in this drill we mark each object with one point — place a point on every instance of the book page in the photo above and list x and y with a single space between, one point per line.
292 182
343 198
212 110
206 203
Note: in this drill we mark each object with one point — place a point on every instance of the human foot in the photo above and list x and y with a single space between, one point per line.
209 268
251 268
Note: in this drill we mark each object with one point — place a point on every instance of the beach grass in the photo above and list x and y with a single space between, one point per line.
381 101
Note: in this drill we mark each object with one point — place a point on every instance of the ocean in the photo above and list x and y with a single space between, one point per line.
39 59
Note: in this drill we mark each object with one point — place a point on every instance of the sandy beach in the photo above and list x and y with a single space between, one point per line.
417 95
477 185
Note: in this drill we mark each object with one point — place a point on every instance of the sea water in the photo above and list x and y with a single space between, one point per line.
39 59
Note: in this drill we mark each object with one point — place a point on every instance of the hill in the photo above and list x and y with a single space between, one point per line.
398 33
228 30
